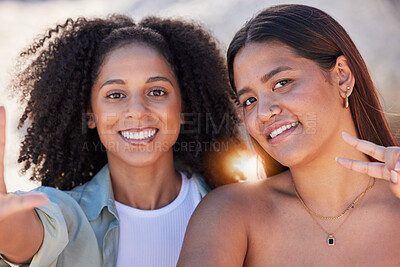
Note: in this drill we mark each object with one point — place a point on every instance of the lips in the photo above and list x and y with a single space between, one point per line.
282 129
137 136
275 130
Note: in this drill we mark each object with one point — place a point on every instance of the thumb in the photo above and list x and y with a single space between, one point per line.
14 203
3 188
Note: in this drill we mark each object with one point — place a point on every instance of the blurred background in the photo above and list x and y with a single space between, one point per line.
374 26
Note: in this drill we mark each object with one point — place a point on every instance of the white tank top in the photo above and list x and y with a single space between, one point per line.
154 237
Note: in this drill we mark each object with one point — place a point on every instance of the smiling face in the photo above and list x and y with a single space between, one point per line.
136 104
291 107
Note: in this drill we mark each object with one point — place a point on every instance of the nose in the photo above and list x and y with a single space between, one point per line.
137 107
266 110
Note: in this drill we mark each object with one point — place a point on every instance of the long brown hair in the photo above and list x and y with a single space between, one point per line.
315 35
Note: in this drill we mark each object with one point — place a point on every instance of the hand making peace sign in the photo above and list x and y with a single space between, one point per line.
388 168
13 203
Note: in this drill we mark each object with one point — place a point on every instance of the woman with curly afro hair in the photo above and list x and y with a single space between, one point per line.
119 117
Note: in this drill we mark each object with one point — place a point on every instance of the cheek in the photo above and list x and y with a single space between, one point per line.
105 125
170 128
106 117
171 118
319 115
308 103
252 125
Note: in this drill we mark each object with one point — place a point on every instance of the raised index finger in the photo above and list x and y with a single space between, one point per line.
374 169
366 147
2 148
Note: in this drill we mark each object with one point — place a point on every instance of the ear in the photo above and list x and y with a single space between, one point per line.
91 121
345 77
182 118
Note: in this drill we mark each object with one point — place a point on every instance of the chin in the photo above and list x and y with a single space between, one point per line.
288 161
291 154
140 158
140 161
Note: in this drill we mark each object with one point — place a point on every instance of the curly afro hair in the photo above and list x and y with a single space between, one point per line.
55 87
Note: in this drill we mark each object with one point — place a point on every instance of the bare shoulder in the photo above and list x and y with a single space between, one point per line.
232 195
218 232
251 191
240 199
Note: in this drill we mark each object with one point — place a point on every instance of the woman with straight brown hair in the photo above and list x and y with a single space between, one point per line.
303 86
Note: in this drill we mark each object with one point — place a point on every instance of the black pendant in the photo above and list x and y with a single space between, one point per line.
330 240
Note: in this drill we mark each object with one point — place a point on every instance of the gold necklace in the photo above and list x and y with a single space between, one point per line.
331 237
352 205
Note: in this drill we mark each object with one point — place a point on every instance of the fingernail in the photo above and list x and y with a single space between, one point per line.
397 167
336 158
393 177
344 134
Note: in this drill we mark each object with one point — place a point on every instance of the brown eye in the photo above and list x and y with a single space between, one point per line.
280 84
115 95
157 92
249 101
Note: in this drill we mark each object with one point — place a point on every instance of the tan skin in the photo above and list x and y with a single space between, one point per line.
136 91
21 231
263 223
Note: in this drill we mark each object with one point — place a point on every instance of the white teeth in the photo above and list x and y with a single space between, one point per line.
282 129
138 135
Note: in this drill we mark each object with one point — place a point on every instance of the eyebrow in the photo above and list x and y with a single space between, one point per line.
265 78
242 91
158 78
149 80
273 72
114 81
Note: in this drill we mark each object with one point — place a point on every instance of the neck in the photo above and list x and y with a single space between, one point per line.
325 186
147 187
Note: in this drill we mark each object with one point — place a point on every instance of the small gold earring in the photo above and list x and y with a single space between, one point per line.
346 101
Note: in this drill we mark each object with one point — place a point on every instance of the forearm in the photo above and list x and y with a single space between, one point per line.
21 236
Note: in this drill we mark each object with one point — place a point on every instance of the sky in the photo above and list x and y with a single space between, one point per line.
373 25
